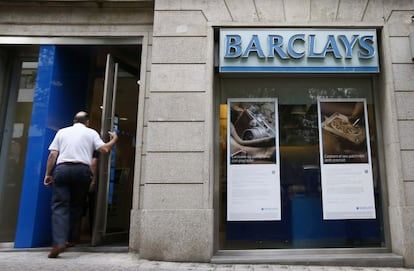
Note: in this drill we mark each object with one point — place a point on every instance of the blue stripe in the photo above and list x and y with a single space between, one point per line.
373 69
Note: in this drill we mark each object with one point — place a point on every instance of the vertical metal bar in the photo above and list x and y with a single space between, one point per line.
108 109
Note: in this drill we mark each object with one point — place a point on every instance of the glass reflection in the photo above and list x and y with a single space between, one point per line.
15 139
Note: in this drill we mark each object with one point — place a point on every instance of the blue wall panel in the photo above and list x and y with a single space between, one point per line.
59 93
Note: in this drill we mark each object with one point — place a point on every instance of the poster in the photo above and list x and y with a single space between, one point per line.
253 175
346 170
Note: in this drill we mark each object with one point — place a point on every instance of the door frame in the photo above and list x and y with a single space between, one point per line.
140 39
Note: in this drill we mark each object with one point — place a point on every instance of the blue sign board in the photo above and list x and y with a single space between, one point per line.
299 50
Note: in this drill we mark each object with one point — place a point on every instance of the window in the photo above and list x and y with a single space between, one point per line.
13 152
302 224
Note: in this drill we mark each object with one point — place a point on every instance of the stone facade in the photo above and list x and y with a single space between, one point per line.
188 25
173 216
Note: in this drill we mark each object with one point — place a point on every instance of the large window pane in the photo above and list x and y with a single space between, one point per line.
13 151
302 225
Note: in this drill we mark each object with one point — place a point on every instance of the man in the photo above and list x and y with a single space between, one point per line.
72 151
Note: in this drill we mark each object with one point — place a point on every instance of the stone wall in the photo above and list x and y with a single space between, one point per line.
177 215
400 143
178 182
68 18
172 216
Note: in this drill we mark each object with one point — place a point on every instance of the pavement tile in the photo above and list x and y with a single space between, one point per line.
206 267
188 266
243 267
280 268
87 261
167 266
262 267
224 267
149 266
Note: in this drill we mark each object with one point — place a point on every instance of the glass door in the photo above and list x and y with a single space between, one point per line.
115 174
107 124
14 144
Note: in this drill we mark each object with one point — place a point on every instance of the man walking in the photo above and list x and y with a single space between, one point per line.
72 151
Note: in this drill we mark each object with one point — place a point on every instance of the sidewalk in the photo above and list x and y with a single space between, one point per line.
111 261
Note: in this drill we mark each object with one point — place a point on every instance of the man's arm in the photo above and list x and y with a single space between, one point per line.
106 148
94 166
51 160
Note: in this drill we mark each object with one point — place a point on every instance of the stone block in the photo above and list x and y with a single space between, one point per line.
43 14
394 178
396 229
390 132
297 10
171 77
399 22
374 12
407 158
406 129
400 29
177 107
179 50
177 235
141 195
403 74
409 193
213 10
175 136
270 10
174 167
400 50
408 230
405 108
216 10
135 229
178 5
74 30
149 59
324 10
242 10
179 23
173 196
148 84
351 10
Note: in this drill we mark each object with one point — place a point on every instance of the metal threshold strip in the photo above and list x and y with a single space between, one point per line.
376 257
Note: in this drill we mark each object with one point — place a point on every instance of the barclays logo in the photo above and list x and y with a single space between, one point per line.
288 47
298 50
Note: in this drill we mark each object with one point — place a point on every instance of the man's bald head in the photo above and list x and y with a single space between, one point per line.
81 117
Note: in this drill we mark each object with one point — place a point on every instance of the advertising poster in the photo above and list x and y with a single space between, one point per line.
253 175
346 170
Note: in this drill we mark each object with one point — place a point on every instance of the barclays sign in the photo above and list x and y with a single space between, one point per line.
299 50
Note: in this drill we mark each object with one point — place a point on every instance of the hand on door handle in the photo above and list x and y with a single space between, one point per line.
108 146
113 135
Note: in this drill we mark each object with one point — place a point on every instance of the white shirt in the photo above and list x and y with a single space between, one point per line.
76 144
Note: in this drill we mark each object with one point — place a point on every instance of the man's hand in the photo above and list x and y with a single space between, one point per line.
48 180
113 135
92 187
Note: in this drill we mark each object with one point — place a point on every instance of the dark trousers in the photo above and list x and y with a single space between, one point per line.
71 184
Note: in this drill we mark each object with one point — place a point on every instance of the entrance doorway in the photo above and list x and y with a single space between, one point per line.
83 81
113 106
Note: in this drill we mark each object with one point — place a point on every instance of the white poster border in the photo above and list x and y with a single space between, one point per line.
347 188
253 190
